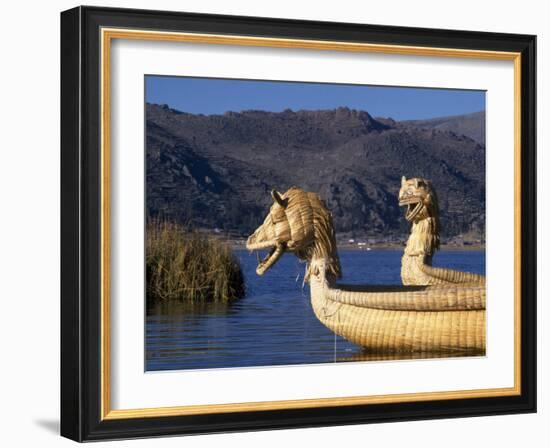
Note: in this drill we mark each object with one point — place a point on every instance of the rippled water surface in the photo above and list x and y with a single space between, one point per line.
274 323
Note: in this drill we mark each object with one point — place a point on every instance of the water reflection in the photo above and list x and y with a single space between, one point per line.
394 356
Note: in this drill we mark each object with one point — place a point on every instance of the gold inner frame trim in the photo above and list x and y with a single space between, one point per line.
107 35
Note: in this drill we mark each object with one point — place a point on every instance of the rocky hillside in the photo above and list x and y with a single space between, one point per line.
471 125
217 171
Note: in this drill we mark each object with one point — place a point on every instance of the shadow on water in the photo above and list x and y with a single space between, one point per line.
274 323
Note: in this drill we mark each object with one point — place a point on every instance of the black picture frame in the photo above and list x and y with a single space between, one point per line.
81 224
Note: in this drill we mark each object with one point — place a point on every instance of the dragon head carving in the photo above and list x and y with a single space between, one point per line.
298 222
420 198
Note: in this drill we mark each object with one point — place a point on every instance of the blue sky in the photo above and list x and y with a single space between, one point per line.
216 96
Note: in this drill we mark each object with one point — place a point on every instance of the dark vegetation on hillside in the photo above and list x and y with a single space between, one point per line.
216 171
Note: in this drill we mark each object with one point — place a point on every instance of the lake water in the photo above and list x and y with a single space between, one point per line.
274 323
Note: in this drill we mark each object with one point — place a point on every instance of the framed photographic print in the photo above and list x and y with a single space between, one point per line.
274 224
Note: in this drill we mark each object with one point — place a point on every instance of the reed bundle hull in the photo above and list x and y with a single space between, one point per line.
382 330
436 310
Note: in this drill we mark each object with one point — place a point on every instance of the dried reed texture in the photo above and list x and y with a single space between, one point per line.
446 317
401 318
413 298
395 330
186 265
298 222
420 197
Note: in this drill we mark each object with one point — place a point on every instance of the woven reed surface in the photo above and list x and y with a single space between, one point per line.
300 215
307 228
415 272
452 276
390 330
429 298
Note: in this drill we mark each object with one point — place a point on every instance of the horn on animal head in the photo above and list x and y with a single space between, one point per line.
416 182
278 199
403 180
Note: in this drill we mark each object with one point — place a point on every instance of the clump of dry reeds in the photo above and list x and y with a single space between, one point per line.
186 265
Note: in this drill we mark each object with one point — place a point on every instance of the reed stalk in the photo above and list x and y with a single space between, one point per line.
186 265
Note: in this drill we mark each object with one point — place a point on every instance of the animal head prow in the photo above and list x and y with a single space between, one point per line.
298 222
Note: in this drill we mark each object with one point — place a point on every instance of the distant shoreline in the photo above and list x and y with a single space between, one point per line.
446 247
241 245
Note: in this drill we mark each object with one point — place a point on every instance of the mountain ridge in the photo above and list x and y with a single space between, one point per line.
471 125
216 171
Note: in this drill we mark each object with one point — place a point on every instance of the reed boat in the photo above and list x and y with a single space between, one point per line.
436 310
